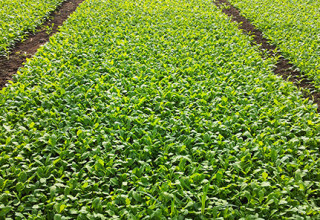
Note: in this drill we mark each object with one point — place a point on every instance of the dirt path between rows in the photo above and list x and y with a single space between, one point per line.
27 48
283 68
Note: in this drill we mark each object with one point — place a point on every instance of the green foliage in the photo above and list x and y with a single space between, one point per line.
292 25
20 17
155 110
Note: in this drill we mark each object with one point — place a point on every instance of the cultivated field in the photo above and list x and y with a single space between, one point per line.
155 110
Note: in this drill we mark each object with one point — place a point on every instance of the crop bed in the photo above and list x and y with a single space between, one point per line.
293 26
155 109
18 18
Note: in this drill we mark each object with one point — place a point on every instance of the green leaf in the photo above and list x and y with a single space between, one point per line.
57 217
96 204
23 177
79 132
264 176
136 196
4 210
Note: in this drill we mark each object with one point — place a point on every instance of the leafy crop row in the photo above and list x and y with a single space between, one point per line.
18 17
292 25
155 110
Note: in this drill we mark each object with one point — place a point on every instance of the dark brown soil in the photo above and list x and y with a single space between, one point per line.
283 68
27 48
